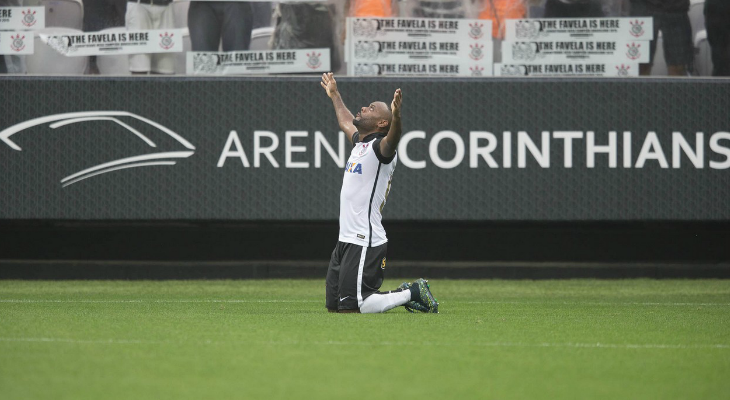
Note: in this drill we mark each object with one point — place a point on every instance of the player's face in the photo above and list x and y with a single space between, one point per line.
369 116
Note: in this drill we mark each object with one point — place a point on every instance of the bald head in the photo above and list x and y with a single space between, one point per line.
375 117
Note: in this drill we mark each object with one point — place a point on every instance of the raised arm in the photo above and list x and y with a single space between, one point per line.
389 144
344 116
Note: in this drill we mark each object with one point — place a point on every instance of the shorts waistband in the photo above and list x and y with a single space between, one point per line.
152 2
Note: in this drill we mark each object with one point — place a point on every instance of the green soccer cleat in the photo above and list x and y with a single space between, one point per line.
412 306
427 300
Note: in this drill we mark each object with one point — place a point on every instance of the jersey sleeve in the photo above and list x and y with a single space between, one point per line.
355 138
376 148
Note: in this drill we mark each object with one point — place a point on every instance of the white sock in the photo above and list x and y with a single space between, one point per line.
378 303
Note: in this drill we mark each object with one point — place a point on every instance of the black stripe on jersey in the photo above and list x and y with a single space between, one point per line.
370 207
376 148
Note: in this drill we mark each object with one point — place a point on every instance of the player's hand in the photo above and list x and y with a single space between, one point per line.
397 101
329 84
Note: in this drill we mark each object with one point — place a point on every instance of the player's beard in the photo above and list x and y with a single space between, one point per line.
356 122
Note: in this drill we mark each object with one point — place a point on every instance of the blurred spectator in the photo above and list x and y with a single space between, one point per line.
262 12
102 14
146 15
305 25
500 10
10 64
366 8
370 8
573 9
438 9
213 22
670 17
717 23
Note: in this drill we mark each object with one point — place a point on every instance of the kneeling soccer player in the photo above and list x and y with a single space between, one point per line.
356 268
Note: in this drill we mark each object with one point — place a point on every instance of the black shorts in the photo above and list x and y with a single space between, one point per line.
676 34
355 272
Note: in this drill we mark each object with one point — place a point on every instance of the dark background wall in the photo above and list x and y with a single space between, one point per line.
195 219
218 249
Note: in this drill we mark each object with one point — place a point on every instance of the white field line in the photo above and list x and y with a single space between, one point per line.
157 301
162 301
370 343
599 303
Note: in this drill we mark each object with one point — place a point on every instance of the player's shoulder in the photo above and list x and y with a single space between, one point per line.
376 150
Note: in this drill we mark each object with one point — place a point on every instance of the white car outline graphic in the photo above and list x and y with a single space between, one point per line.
59 120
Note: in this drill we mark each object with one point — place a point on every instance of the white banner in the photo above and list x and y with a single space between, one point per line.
409 28
424 68
556 52
16 42
567 70
395 46
403 51
121 42
22 18
580 28
258 62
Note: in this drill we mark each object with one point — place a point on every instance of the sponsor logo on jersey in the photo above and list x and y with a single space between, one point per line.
364 149
354 168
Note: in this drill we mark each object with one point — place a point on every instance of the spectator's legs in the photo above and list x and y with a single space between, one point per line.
118 8
164 18
138 18
640 10
237 25
717 22
558 9
204 26
678 47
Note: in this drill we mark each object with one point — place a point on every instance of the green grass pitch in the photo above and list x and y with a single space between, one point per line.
573 339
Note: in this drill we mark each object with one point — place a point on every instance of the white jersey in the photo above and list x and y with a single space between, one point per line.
365 188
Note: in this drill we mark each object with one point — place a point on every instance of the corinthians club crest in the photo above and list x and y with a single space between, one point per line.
637 28
29 18
633 51
17 43
166 41
623 70
476 70
314 61
476 52
475 31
